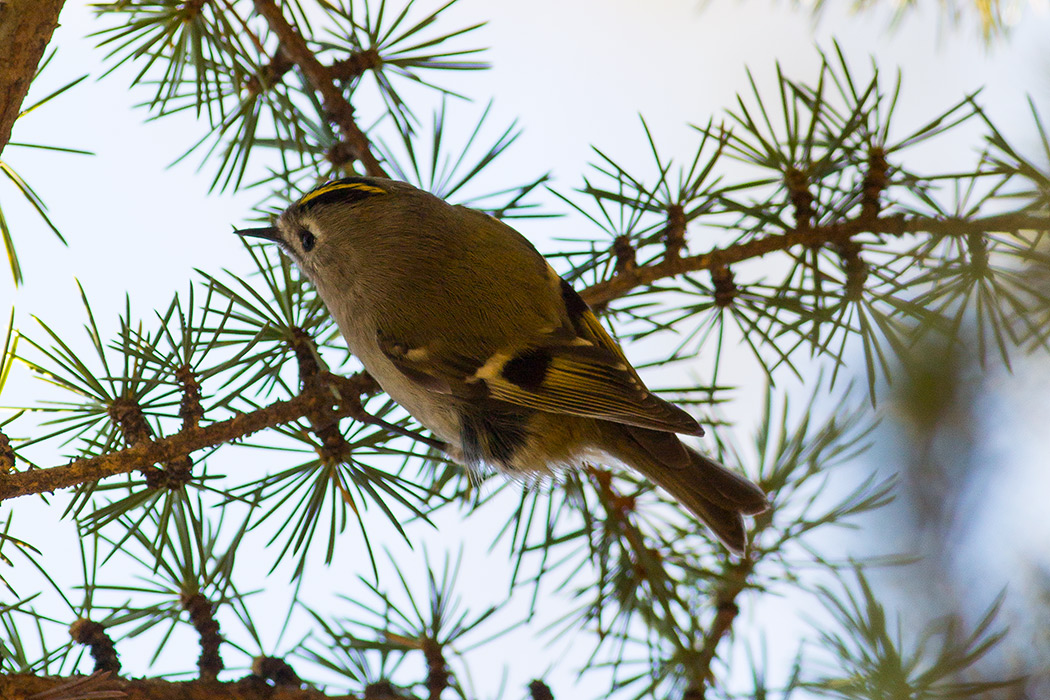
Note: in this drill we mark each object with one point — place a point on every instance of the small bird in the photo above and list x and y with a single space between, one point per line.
462 322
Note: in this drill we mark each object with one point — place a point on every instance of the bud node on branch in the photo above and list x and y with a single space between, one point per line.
356 64
158 479
128 416
276 671
624 252
7 455
694 693
131 420
728 607
270 73
93 635
725 287
202 616
797 183
192 8
190 409
876 180
538 690
855 267
383 690
674 234
977 247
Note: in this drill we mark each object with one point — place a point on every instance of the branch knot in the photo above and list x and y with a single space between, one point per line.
725 286
202 615
876 181
624 252
674 234
797 183
93 635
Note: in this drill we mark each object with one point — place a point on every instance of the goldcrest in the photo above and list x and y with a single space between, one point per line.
462 322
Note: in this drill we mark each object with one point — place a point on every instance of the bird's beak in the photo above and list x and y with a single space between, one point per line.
270 233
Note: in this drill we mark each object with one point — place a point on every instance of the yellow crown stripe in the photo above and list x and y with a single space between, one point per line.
359 186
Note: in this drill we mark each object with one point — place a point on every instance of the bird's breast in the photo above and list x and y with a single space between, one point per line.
434 411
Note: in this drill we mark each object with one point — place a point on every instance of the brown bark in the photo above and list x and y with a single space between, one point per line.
26 687
894 226
733 583
25 30
321 79
312 401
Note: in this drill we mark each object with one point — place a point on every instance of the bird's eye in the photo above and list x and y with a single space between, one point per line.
307 240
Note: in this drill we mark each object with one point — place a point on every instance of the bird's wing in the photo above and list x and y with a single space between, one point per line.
580 379
578 371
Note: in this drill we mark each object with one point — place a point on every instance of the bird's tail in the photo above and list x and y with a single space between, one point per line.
717 496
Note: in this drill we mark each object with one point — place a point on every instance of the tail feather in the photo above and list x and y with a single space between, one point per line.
717 496
727 525
727 488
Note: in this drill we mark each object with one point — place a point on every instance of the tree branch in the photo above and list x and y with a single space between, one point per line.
104 686
628 278
25 30
310 401
322 80
733 581
437 670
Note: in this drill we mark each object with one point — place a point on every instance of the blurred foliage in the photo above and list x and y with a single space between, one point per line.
993 17
878 663
951 421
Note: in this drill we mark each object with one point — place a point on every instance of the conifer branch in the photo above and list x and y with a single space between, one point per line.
731 584
437 669
97 687
180 445
321 79
899 225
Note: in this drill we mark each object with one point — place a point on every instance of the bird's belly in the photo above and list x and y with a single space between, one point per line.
436 413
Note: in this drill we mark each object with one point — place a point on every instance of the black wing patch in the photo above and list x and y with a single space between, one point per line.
529 369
